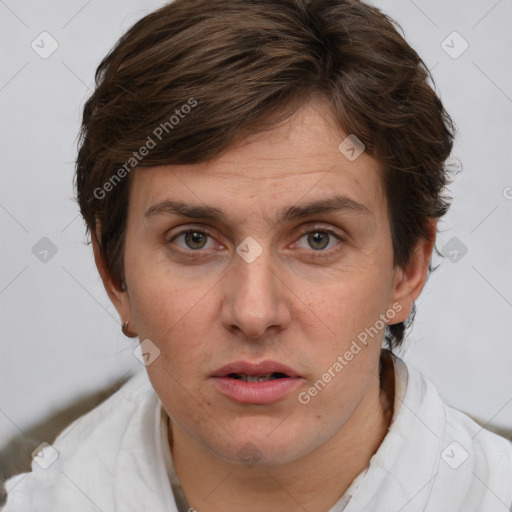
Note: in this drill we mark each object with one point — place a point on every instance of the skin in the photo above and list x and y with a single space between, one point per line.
285 306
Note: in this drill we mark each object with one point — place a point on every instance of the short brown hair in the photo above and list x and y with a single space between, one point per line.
247 64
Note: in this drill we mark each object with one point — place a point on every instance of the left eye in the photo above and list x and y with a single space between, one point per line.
318 239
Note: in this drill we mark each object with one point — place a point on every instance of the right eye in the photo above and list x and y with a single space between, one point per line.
191 241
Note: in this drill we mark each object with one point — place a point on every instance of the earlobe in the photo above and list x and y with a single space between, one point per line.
409 281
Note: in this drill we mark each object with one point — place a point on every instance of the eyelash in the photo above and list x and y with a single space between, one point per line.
315 254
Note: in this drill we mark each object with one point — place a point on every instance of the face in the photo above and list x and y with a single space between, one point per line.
284 257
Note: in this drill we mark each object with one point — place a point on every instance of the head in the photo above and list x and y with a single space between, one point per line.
262 180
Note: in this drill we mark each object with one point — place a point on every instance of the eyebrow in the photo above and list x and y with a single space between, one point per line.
336 203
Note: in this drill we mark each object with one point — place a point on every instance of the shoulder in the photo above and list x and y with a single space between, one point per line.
488 455
105 420
84 454
473 466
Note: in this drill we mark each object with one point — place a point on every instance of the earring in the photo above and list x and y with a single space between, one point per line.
126 332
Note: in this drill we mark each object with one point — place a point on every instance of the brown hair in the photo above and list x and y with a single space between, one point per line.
189 79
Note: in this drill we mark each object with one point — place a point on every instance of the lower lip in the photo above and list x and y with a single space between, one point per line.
265 392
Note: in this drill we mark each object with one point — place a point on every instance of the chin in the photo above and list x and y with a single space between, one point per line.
265 443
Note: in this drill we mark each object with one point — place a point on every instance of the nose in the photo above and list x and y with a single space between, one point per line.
255 298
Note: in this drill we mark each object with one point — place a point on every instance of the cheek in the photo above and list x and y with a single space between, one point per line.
178 320
345 355
175 317
347 307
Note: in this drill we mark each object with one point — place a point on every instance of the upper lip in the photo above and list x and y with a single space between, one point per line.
261 368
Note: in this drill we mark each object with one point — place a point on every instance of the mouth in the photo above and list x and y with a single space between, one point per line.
257 378
264 369
261 383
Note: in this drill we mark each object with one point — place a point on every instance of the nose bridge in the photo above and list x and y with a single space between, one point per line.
254 275
253 301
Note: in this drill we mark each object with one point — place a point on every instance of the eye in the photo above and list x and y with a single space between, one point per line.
320 240
193 239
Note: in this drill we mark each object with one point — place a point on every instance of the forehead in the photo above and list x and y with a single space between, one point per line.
297 161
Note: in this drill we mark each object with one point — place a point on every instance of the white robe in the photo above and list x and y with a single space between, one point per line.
117 458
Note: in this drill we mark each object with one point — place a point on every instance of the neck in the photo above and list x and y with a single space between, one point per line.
211 484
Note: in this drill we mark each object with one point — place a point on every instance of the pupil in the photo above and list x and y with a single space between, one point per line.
316 237
195 236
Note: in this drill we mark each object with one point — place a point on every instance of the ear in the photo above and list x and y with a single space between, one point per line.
408 282
119 297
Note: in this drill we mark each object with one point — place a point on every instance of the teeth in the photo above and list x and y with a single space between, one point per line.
256 378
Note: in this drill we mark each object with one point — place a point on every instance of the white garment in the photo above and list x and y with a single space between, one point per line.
117 458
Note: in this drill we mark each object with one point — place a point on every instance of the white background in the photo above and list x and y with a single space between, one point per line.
60 336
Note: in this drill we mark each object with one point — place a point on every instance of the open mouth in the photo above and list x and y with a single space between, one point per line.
257 383
257 378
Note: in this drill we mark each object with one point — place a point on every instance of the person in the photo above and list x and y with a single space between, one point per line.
262 181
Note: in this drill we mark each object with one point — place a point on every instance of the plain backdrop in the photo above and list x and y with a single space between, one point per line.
60 336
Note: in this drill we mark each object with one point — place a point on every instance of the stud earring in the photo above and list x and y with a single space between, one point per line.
126 332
